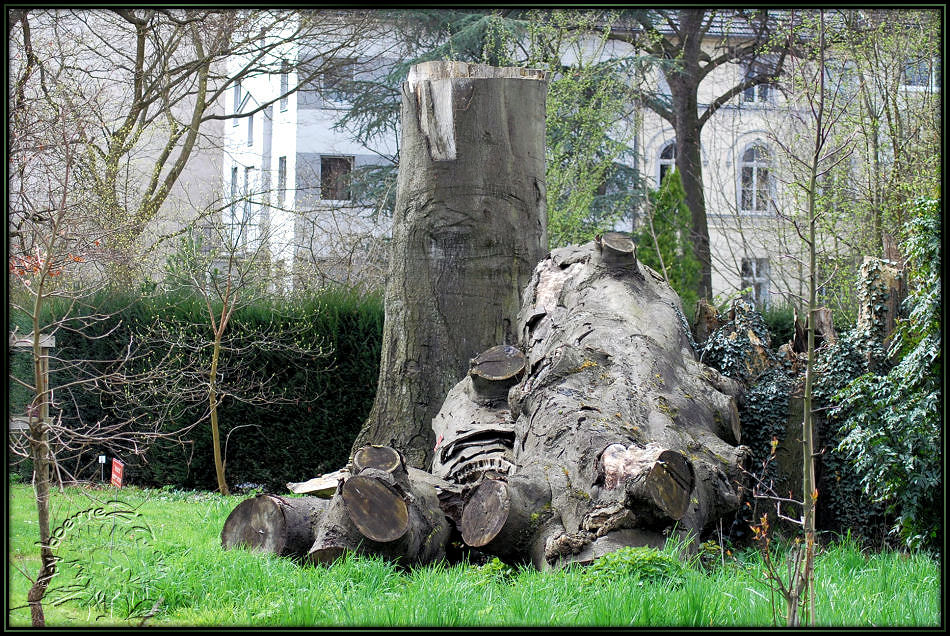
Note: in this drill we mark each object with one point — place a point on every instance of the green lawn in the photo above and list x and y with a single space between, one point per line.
127 553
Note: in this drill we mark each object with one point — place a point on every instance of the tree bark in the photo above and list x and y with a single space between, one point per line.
281 525
469 227
884 280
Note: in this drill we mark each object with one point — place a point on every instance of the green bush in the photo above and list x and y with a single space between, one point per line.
668 228
647 564
892 428
308 431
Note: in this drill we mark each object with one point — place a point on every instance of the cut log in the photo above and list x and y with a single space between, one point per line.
496 370
657 481
619 428
323 486
617 248
381 458
382 510
378 510
281 525
468 228
507 517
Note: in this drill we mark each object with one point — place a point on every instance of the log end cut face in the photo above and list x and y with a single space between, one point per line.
496 370
670 482
382 458
660 478
376 509
485 513
258 524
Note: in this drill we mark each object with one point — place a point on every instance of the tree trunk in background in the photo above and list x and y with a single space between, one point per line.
469 228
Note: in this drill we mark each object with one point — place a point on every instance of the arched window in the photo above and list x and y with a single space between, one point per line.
755 187
667 161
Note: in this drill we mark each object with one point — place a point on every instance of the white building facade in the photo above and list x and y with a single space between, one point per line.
284 168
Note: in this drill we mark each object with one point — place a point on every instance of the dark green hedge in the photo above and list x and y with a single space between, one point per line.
318 404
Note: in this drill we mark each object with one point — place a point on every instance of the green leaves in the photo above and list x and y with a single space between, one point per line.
666 228
892 433
647 564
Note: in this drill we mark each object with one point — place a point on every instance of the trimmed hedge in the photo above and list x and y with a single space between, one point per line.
322 402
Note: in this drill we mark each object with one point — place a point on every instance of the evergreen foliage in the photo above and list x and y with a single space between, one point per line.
666 228
764 415
891 414
307 432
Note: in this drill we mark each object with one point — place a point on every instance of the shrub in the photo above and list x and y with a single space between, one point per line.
892 431
266 444
648 564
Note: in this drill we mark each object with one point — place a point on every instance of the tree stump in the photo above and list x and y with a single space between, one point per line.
281 525
469 226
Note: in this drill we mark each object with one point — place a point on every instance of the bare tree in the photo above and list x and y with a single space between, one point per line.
56 262
226 278
812 151
152 83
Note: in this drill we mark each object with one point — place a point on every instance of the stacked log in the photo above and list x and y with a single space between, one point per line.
381 510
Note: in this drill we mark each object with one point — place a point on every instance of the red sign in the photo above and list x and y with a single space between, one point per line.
117 467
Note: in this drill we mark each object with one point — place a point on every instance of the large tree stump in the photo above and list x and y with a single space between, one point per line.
884 289
382 510
281 525
469 226
620 433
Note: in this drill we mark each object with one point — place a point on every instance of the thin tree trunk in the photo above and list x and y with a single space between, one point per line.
39 446
469 227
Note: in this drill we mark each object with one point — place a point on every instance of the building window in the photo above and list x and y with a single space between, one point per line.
335 177
755 281
337 78
234 191
920 74
281 180
241 227
237 101
250 130
662 84
760 93
755 187
284 83
667 161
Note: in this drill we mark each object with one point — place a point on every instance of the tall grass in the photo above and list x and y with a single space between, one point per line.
157 553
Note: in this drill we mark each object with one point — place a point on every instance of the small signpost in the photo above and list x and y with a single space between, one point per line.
117 467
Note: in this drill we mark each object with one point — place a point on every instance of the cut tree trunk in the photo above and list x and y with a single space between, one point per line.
886 280
474 430
620 433
469 226
382 509
281 525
